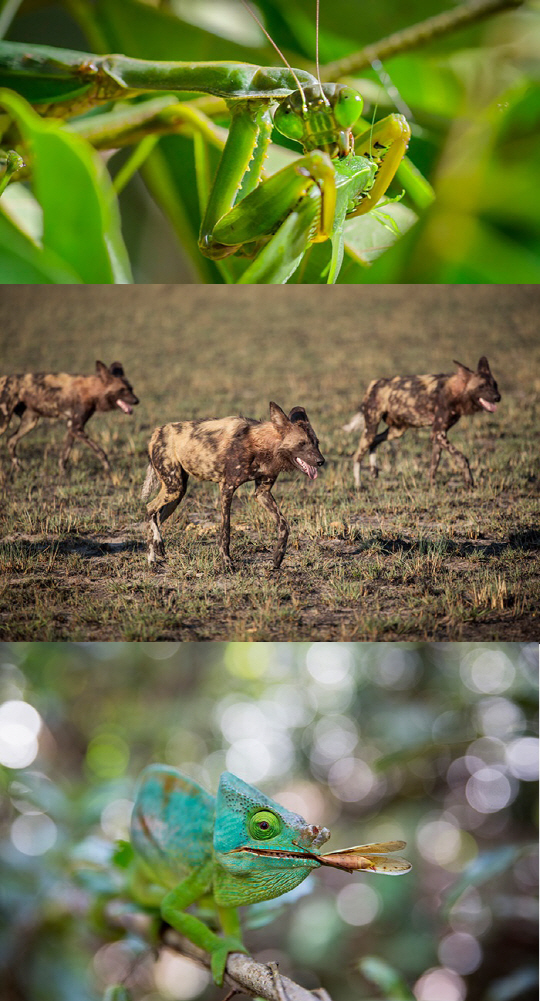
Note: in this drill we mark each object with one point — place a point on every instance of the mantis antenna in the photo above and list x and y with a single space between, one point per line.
323 95
279 52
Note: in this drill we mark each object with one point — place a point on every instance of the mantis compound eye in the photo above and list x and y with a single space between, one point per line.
347 107
264 825
289 122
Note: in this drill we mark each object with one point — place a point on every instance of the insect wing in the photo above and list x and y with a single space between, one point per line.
172 823
381 848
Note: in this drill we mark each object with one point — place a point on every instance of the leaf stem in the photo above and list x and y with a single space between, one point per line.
416 36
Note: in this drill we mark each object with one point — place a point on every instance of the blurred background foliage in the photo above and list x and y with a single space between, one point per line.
473 98
435 744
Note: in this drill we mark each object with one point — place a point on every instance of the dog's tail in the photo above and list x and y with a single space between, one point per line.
150 483
356 424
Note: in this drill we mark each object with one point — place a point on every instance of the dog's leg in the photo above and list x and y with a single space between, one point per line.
224 541
66 451
378 440
29 420
368 442
266 500
159 510
435 457
81 435
440 441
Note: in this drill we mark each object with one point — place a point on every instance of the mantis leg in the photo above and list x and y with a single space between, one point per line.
262 206
386 142
173 908
281 255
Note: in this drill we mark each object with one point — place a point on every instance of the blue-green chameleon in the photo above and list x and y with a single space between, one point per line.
236 849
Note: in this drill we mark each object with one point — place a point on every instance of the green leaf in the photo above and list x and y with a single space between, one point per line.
22 262
80 219
486 866
137 29
384 976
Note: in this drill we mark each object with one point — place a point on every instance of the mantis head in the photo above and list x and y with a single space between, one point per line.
321 117
261 849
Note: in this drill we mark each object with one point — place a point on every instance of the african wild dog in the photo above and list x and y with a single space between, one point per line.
436 401
230 452
72 397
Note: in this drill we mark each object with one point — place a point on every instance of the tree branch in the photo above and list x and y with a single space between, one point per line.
416 36
245 976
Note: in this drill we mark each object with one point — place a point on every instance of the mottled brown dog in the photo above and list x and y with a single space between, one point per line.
71 397
230 452
415 401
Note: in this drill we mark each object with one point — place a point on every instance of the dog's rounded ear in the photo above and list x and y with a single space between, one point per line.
483 366
116 368
298 414
101 369
278 416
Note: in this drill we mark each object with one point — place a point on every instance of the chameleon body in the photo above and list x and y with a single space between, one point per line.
239 848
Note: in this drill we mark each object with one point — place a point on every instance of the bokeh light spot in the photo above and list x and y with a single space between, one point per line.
329 663
439 841
351 779
178 978
522 758
249 759
460 952
489 791
20 724
115 819
440 984
107 756
487 671
33 833
358 904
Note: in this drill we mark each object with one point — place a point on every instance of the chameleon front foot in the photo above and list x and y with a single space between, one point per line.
218 961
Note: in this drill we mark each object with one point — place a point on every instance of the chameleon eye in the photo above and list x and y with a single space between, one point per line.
264 825
348 107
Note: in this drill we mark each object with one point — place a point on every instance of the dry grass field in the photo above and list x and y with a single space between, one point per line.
395 561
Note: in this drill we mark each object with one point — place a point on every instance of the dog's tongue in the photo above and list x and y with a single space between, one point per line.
124 406
310 471
488 406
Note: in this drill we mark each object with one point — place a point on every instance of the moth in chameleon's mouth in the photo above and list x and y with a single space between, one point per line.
310 471
124 406
487 405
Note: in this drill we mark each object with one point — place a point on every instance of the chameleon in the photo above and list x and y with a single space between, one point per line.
237 848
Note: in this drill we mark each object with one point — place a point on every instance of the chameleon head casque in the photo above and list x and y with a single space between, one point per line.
261 849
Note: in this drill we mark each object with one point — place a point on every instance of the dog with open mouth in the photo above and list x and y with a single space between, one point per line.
229 451
415 401
73 398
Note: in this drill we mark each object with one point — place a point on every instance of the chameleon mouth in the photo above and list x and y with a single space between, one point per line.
310 471
487 405
124 406
277 853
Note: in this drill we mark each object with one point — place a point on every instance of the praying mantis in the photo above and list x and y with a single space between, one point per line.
268 222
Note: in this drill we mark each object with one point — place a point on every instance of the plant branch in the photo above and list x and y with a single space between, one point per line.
416 36
244 975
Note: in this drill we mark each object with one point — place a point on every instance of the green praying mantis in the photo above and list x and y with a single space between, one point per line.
269 221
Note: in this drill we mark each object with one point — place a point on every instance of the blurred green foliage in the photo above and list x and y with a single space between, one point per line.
473 99
434 744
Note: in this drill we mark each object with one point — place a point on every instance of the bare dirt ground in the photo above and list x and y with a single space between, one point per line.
394 561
